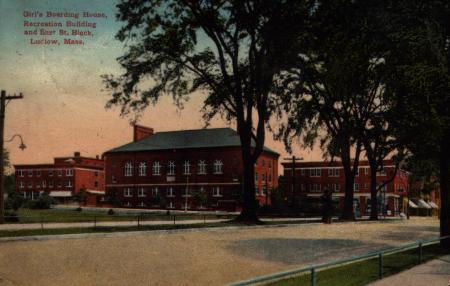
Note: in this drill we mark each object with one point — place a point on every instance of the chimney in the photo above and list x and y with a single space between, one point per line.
76 154
97 157
141 132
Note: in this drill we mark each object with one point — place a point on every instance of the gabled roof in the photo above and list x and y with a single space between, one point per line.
186 139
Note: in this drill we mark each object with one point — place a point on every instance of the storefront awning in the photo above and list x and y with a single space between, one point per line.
412 205
433 205
95 192
60 194
423 205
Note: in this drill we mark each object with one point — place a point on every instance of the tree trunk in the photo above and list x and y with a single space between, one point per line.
444 170
249 204
373 193
347 213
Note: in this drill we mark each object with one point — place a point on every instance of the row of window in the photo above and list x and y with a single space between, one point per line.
335 172
43 184
263 163
38 173
171 168
263 177
169 205
337 187
168 192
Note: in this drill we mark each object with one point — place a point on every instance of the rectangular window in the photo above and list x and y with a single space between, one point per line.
315 187
95 184
356 187
336 187
69 184
69 172
302 172
21 173
155 192
156 168
170 205
171 170
44 184
382 172
170 192
96 173
333 172
127 192
30 173
141 192
357 172
21 185
366 170
38 173
315 172
187 168
59 184
216 192
38 185
50 184
50 173
30 185
59 173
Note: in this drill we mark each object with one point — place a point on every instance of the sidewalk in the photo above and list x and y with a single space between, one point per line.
434 272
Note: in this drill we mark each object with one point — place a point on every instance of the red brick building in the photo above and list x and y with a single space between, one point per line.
64 178
191 169
311 179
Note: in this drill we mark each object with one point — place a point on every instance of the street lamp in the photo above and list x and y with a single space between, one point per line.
22 146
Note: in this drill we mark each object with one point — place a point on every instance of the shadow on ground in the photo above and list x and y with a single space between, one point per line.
300 251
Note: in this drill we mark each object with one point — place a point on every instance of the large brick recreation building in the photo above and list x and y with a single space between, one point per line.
311 179
63 179
188 170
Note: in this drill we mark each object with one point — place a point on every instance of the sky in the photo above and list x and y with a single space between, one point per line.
63 109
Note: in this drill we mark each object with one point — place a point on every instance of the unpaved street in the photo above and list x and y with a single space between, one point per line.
200 257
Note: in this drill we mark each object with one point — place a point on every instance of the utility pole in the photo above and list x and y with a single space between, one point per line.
294 202
4 99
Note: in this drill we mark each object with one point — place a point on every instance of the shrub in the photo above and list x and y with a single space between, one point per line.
43 202
111 212
14 201
11 217
78 209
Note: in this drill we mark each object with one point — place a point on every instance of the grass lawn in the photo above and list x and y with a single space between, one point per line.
71 215
364 272
108 229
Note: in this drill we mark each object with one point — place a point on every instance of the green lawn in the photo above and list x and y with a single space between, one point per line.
107 229
71 215
364 272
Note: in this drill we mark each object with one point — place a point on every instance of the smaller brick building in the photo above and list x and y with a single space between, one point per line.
63 179
187 170
311 179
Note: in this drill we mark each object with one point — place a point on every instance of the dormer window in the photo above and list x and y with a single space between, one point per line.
128 169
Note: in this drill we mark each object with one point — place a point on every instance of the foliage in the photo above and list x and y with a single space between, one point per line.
111 212
14 201
229 51
42 202
200 198
80 197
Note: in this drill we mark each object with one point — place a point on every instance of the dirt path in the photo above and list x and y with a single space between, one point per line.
201 257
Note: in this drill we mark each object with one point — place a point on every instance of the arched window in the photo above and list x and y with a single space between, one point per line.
201 167
128 169
156 168
218 167
142 169
187 168
171 170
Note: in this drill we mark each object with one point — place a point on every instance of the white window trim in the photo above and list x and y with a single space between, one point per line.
127 192
201 167
314 172
156 168
21 185
186 168
171 170
69 172
170 193
142 169
141 192
128 169
218 167
216 192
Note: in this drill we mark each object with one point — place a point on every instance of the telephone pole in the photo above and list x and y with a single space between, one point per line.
4 100
294 186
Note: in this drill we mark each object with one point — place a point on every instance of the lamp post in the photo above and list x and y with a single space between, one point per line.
4 100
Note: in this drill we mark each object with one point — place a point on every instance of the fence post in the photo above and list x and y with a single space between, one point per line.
420 252
138 221
95 222
313 277
174 219
42 223
380 265
204 218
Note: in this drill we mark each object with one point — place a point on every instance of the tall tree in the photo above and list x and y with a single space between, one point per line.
230 50
420 57
333 83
